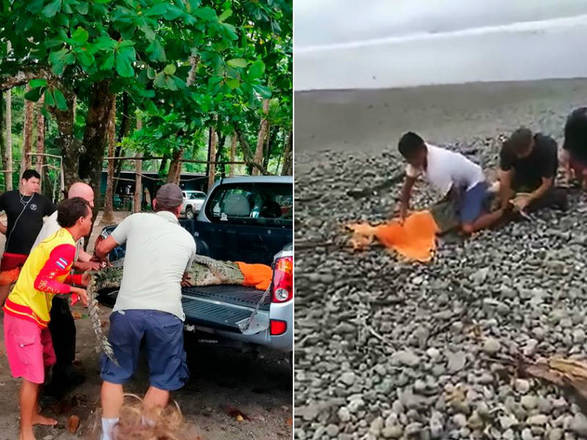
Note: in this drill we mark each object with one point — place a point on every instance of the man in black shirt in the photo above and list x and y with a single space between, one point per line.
25 209
528 168
574 154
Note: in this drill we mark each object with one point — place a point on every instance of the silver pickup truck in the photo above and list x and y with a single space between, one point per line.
246 219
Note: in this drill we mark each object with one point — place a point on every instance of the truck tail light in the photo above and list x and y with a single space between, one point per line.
278 327
283 280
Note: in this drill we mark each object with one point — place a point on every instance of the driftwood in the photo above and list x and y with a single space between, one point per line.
365 192
568 374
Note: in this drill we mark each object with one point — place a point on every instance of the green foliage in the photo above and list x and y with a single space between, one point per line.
143 47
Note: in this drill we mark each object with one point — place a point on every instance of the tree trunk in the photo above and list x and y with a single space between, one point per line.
269 149
233 141
218 156
70 147
95 134
27 135
108 215
138 199
247 153
162 166
124 130
287 168
8 143
212 155
40 137
174 173
261 137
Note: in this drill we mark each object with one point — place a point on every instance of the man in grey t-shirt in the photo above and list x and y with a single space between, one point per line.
158 254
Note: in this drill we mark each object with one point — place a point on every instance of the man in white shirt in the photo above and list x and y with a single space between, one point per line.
452 175
62 325
148 307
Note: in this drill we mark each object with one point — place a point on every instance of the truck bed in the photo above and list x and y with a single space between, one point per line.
221 307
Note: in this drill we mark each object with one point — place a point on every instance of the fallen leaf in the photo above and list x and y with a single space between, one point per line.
236 413
76 315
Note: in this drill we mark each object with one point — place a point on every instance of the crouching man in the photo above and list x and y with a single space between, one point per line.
528 167
159 253
453 176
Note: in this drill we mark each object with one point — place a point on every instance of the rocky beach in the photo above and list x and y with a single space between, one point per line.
392 349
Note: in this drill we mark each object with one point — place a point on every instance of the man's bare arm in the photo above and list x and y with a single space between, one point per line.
405 194
505 187
3 228
105 246
83 256
541 190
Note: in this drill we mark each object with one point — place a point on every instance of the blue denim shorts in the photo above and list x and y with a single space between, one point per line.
472 200
163 342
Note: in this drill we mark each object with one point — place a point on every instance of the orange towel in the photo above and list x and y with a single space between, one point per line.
415 239
256 275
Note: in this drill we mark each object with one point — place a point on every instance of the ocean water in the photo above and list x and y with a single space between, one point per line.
470 48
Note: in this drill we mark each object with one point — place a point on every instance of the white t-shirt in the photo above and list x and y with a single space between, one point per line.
158 252
447 168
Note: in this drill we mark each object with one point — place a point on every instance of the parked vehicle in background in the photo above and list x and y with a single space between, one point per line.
192 203
246 219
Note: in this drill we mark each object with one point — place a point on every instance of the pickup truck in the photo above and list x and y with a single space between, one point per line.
246 219
192 203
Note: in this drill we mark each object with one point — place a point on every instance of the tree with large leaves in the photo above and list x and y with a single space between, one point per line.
94 50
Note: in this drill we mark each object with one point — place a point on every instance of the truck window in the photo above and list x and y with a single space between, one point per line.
252 203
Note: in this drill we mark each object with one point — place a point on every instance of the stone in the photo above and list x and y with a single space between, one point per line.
406 357
491 346
480 275
527 434
475 421
544 405
456 361
395 431
530 347
413 428
555 434
459 420
355 405
433 353
348 378
436 425
377 425
344 414
507 422
579 425
522 386
537 420
332 430
529 402
578 336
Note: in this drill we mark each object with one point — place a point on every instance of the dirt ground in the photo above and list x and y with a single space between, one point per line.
223 381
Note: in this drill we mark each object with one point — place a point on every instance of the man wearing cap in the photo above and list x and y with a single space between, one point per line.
148 307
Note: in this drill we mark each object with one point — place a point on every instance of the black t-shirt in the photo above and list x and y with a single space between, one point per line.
576 135
529 171
25 219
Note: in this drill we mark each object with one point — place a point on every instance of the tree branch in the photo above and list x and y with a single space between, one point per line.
23 77
247 153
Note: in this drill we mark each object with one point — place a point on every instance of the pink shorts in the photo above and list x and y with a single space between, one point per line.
29 348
